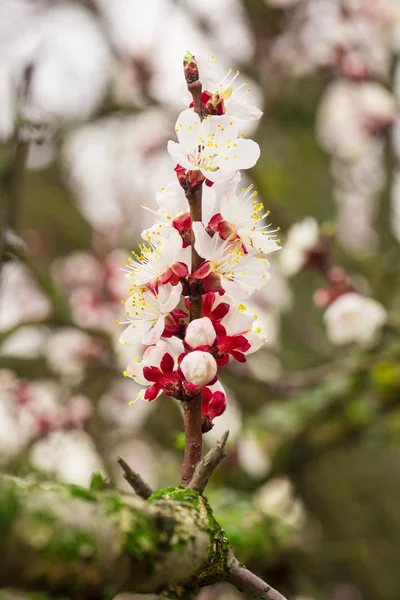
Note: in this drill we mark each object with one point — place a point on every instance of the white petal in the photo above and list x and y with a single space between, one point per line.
241 323
234 289
244 156
135 370
172 200
221 175
178 155
223 128
134 333
154 334
255 340
136 349
241 110
208 202
154 354
155 233
185 256
175 345
259 241
188 130
171 244
171 301
203 242
230 203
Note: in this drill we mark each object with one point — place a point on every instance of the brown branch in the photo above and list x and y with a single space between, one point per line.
207 466
195 88
192 414
245 581
192 407
135 481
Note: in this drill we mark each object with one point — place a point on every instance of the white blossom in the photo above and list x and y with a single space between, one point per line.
233 91
245 216
355 318
349 115
157 262
173 206
152 357
16 277
212 146
146 313
240 274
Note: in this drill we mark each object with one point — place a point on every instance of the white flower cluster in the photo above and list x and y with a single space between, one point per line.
350 317
167 353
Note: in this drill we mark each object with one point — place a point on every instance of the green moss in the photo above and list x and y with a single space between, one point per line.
43 517
141 540
179 494
97 482
9 508
113 504
217 564
77 492
72 545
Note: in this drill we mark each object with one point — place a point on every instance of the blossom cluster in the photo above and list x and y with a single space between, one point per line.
350 316
170 353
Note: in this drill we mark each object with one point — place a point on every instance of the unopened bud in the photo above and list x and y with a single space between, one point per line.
199 368
200 332
190 68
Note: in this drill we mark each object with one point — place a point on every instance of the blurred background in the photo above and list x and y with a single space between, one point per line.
309 494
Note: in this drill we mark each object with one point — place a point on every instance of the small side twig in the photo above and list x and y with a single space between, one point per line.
245 581
207 466
134 479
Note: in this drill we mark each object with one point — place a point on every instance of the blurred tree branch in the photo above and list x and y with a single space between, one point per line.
11 188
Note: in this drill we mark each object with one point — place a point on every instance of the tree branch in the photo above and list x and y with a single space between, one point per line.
245 581
12 187
207 466
192 407
135 480
79 543
66 540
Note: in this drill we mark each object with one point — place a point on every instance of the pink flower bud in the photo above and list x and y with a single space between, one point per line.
200 332
199 368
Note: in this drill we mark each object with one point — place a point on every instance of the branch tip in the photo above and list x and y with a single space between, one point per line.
136 482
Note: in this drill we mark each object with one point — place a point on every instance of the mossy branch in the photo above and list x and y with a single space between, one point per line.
79 543
66 540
